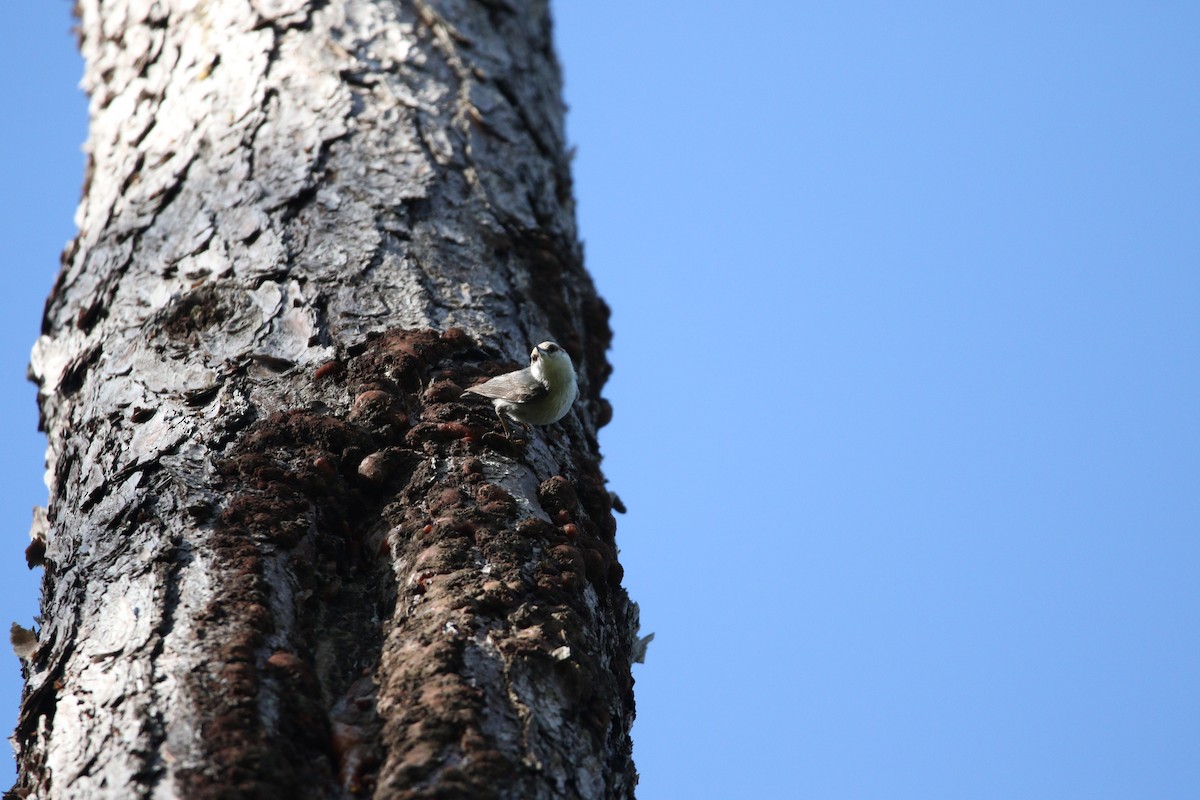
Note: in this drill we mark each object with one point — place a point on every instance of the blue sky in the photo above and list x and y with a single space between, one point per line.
907 313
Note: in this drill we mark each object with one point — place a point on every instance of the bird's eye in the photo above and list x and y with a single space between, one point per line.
551 348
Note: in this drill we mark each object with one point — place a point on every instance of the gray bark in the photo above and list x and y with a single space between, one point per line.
283 557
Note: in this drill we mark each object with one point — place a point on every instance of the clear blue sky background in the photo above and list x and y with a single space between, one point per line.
907 306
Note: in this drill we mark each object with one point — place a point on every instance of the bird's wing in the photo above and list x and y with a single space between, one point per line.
516 387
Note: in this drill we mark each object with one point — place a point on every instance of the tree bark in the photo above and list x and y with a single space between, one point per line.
282 557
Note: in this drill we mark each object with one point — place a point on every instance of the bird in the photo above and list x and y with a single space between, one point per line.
540 394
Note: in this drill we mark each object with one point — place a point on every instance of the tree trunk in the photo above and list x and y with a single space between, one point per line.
283 557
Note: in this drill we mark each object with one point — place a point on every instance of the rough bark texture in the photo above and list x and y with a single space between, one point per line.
283 557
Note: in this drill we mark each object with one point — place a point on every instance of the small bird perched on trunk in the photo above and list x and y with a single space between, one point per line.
540 394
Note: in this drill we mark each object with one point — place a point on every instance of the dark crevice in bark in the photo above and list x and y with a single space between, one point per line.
551 152
76 372
252 134
167 564
303 23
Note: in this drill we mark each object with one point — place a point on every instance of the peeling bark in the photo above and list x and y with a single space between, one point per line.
283 557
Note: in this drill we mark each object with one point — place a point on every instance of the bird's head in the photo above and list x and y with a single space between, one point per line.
549 362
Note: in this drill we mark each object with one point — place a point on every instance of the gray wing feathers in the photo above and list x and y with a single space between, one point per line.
516 387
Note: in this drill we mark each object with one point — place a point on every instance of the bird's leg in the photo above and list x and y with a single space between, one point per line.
503 424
